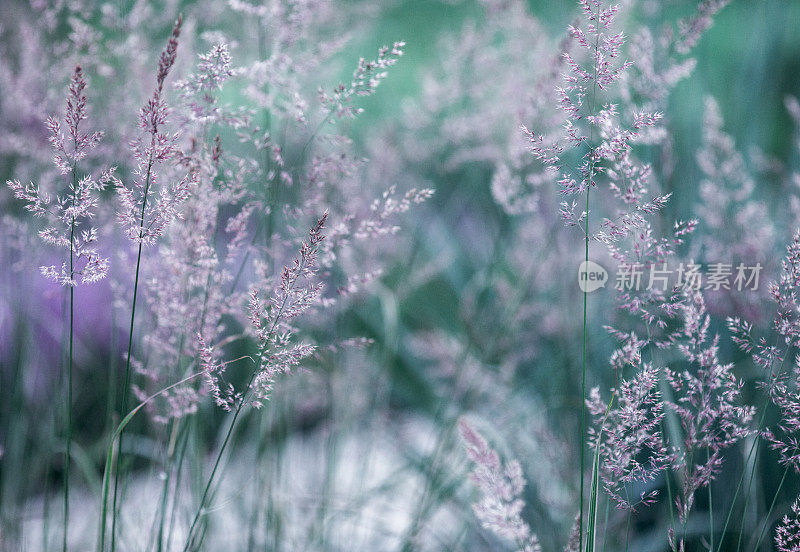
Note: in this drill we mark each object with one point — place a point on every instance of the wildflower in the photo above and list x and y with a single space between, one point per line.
383 209
782 388
601 128
764 355
199 90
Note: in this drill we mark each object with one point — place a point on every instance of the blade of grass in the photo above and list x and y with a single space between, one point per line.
591 528
771 507
710 509
110 453
201 507
192 426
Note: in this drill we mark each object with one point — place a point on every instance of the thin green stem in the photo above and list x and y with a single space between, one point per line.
591 536
771 507
183 430
177 430
710 508
583 380
586 292
268 222
112 448
313 135
178 478
685 497
669 496
628 532
112 376
747 498
125 388
753 466
753 448
190 535
126 384
427 500
67 453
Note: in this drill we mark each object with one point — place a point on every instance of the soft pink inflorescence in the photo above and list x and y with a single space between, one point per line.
783 388
628 434
198 90
601 134
144 217
297 292
784 293
499 509
784 392
68 212
706 402
691 29
366 78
